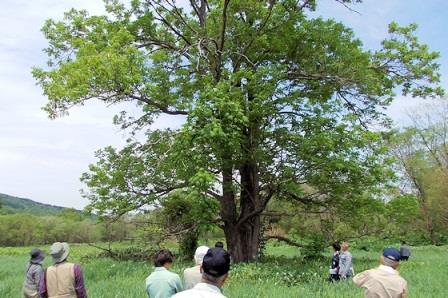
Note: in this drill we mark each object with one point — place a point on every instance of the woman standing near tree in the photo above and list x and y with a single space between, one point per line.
345 262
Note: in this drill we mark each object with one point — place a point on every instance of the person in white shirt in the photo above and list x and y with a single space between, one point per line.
215 270
193 275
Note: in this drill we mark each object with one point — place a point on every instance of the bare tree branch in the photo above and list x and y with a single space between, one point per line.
348 7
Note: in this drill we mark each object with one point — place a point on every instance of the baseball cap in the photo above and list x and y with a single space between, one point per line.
216 262
392 254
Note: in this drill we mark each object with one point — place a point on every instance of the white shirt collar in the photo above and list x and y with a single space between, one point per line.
387 269
207 287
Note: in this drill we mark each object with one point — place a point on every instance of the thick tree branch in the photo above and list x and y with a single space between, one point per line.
352 107
249 216
156 105
284 239
223 26
242 54
221 40
162 19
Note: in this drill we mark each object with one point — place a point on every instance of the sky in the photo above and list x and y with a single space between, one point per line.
42 159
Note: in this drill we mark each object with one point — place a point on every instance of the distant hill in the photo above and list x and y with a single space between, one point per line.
11 205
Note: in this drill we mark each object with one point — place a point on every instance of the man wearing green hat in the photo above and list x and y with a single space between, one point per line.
62 279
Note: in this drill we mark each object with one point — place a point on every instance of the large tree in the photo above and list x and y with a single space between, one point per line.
277 104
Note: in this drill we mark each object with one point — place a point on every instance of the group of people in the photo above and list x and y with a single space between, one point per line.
207 277
341 262
65 279
62 279
384 281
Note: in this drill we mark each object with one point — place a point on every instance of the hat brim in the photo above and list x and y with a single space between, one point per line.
392 258
39 259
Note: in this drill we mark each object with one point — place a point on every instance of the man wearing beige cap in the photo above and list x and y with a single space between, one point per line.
63 279
384 281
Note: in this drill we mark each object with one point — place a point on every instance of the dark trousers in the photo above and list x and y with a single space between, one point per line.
333 277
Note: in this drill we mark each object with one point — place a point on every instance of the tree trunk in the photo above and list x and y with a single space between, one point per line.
243 240
243 234
428 221
243 230
242 225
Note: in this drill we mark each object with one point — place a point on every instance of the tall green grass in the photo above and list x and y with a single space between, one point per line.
283 273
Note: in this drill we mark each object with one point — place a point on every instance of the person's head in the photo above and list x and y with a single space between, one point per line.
59 251
403 242
36 256
199 254
345 246
163 258
219 244
215 266
390 257
336 246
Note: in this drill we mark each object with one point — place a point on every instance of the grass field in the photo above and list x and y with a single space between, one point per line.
282 274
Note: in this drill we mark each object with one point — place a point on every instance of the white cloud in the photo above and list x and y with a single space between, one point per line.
39 158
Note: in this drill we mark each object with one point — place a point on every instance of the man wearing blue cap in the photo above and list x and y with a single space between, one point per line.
384 281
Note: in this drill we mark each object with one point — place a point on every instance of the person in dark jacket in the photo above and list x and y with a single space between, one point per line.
405 251
334 268
33 273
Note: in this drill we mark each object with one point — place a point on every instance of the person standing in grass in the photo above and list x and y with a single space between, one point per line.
215 270
384 281
345 262
163 283
193 275
405 251
33 274
334 268
63 279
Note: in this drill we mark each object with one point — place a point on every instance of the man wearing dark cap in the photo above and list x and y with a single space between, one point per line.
385 280
215 269
33 273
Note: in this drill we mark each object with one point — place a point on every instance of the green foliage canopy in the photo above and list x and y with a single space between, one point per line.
277 103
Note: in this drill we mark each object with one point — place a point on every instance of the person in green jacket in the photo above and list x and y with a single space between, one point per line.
162 283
